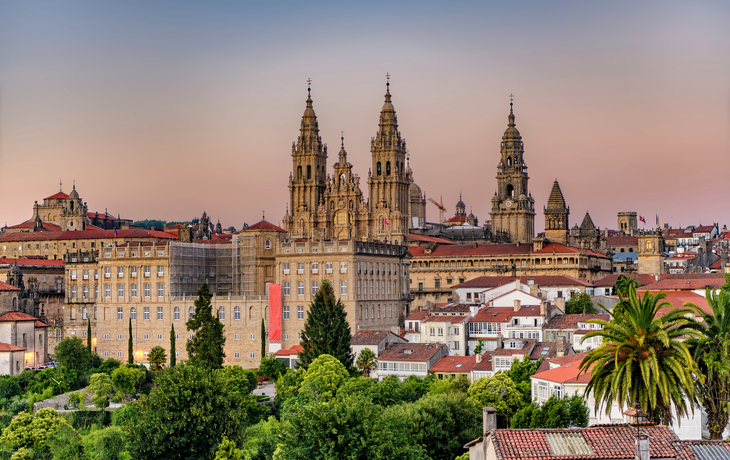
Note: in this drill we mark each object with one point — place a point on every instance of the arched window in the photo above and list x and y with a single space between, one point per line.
191 312
15 303
176 313
387 168
237 313
379 169
222 313
267 244
133 313
309 171
299 172
509 161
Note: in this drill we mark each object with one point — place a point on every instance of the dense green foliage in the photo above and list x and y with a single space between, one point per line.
499 392
130 345
553 413
624 284
271 367
173 353
326 330
72 354
366 362
157 359
205 349
643 358
579 303
101 388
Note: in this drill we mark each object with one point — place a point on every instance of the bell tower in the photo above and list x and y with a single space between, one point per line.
556 216
307 180
513 208
389 179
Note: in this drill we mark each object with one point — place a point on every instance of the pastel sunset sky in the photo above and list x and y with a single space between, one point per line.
167 109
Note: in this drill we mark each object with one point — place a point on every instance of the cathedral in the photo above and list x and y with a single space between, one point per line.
332 206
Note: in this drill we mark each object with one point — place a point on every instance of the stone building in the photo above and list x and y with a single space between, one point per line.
651 252
627 223
513 208
587 236
333 207
556 216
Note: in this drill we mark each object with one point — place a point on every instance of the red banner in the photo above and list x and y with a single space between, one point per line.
275 312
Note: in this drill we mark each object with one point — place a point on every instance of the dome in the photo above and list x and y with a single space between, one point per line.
460 204
415 191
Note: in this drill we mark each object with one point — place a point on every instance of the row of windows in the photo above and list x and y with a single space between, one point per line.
147 290
300 312
376 268
175 313
376 311
177 354
286 288
440 330
146 270
489 263
377 288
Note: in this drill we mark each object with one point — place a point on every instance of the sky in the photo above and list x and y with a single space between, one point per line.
163 110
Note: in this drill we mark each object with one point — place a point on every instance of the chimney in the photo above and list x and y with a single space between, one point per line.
543 309
500 345
479 357
489 419
642 447
517 305
518 285
560 303
560 351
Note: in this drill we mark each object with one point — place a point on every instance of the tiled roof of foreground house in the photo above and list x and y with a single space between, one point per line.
368 337
410 351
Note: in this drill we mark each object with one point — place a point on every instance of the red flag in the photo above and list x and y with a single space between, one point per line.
643 221
386 222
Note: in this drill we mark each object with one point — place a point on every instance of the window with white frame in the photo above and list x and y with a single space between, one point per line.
343 287
236 355
160 290
134 290
300 288
358 287
147 290
73 275
159 313
236 337
300 312
285 288
328 267
160 270
146 337
176 313
253 354
267 244
191 312
133 272
120 290
300 268
236 313
285 267
343 267
146 271
315 287
73 292
120 314
146 313
84 313
133 313
252 337
85 274
120 272
159 336
222 313
107 272
315 268
286 312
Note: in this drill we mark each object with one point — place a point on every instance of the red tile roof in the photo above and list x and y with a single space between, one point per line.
454 364
566 373
534 299
410 351
417 316
57 196
456 219
678 298
467 250
555 248
687 282
85 234
496 281
605 442
31 262
17 316
610 280
265 226
296 349
503 314
7 287
40 323
5 347
368 337
429 239
622 240
31 223
100 215
485 364
562 322
446 319
567 359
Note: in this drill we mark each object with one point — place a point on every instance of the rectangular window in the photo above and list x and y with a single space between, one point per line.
420 286
73 275
432 332
358 287
300 288
315 287
456 345
85 274
86 292
328 267
343 267
134 290
120 290
441 332
300 312
285 266
343 287
106 336
285 288
146 313
133 272
253 354
146 337
96 274
236 337
315 268
371 288
159 313
147 271
120 314
252 337
107 272
120 272
73 292
160 270
146 290
133 313
236 355
160 290
119 354
286 313
300 268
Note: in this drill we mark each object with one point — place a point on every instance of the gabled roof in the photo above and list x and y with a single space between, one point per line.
265 226
454 364
6 347
566 373
687 282
429 239
594 442
563 322
556 248
418 316
503 314
57 196
496 281
17 316
368 337
610 280
410 351
7 287
295 350
40 323
31 223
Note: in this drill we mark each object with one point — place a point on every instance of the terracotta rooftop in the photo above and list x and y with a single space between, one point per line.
57 196
31 262
40 323
17 316
366 337
622 240
485 364
454 364
295 350
85 234
503 314
418 316
687 282
467 250
610 280
526 348
410 351
265 226
7 287
429 239
562 322
569 358
31 223
678 298
566 373
7 347
594 442
555 248
496 281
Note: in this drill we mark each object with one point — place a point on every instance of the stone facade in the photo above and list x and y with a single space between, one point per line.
651 253
627 223
556 216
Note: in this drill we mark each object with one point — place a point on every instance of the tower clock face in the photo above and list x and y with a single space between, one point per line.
508 203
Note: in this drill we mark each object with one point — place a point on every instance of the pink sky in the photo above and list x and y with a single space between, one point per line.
168 110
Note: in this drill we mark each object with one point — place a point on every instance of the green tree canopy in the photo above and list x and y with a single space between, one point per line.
101 388
157 358
243 381
271 367
500 392
643 358
324 376
173 353
126 379
187 414
579 303
32 431
227 451
711 350
553 413
205 349
366 362
624 284
326 330
72 354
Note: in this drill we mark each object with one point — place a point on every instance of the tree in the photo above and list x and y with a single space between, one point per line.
262 439
187 414
157 358
88 335
126 379
580 303
624 284
77 399
643 358
242 380
499 392
205 349
32 431
520 373
326 330
711 351
263 339
72 354
227 451
324 376
173 356
271 367
553 413
480 346
101 386
130 348
366 362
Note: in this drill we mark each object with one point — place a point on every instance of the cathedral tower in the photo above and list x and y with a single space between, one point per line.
389 181
513 208
308 178
556 216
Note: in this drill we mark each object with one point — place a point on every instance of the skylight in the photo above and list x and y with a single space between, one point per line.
458 365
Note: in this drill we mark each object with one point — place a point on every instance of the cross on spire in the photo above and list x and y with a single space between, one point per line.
60 184
387 79
511 98
309 85
343 138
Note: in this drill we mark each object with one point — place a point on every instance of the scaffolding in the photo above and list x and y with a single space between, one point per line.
244 249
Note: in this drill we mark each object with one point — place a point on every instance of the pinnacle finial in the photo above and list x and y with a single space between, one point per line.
511 113
343 138
74 184
60 185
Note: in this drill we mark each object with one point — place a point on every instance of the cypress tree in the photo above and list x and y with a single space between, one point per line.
205 349
130 350
173 359
326 330
88 335
263 339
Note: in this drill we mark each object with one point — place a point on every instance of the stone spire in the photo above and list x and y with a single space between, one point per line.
587 224
556 201
309 139
556 216
388 135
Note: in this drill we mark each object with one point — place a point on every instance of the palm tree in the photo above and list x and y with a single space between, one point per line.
623 283
643 358
157 358
711 350
366 362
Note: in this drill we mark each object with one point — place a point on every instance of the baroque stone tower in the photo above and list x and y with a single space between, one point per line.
627 223
651 252
307 180
513 208
389 180
556 216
